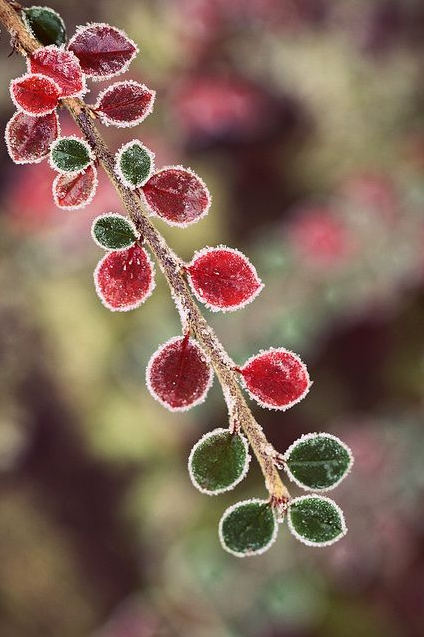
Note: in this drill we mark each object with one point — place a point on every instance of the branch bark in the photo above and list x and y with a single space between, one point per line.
171 266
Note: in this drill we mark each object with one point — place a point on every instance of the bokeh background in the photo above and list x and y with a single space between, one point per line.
305 118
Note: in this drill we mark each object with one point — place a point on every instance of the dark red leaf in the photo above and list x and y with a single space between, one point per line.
103 50
124 279
223 278
62 66
178 374
72 192
35 94
28 138
276 378
125 104
177 195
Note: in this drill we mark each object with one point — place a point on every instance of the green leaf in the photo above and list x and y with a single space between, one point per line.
70 154
248 528
218 461
316 520
45 24
112 231
134 164
318 461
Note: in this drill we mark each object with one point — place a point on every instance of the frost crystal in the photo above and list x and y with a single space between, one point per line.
103 51
125 104
62 66
177 195
34 94
28 138
178 374
73 192
276 378
223 278
124 279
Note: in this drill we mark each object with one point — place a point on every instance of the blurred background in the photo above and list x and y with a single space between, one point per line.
306 119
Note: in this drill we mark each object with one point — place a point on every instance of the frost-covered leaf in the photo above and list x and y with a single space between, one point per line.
112 231
134 164
178 374
223 278
125 104
248 528
28 138
62 66
75 191
318 461
177 195
276 378
45 25
218 461
70 154
316 520
35 94
124 279
103 51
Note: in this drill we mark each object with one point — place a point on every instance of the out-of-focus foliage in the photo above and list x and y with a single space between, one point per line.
305 119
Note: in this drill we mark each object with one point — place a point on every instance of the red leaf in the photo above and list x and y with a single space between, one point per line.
276 378
103 51
28 138
72 192
178 374
124 279
177 195
35 94
223 278
125 104
62 66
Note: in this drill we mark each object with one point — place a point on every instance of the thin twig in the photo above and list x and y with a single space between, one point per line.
172 268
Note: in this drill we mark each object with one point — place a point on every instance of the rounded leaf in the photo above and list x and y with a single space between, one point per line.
134 164
45 25
223 278
316 520
318 461
276 378
35 94
124 279
125 104
103 51
112 231
70 154
177 195
248 528
75 191
62 66
178 374
218 461
28 138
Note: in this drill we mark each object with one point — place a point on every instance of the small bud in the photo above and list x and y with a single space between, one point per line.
276 378
218 461
134 164
103 51
177 195
316 520
62 66
125 104
70 154
28 138
124 279
75 191
112 231
248 528
178 374
223 278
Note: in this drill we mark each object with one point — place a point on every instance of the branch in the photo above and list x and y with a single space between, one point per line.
172 268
